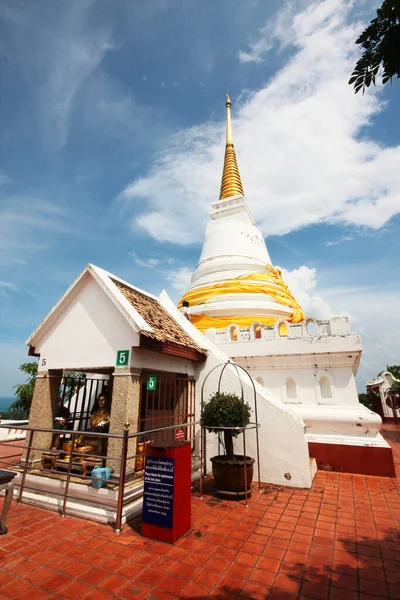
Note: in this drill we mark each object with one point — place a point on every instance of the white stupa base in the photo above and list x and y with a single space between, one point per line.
352 454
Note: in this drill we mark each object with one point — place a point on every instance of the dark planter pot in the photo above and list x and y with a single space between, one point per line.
229 475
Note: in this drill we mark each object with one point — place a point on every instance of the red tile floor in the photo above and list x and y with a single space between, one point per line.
338 541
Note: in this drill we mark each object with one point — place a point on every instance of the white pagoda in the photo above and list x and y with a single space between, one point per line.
239 300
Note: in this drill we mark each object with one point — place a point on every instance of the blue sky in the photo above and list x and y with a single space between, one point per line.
111 150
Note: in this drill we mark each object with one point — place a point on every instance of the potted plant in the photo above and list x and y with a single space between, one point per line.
222 412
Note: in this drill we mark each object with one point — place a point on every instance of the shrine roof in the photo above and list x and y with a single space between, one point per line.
164 327
155 319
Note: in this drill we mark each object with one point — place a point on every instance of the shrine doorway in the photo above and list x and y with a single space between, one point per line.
166 399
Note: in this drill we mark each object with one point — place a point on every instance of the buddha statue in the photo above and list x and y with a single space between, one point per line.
100 418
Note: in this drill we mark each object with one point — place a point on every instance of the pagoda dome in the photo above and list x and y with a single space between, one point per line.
235 281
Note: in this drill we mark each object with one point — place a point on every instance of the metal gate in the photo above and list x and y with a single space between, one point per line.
168 400
78 395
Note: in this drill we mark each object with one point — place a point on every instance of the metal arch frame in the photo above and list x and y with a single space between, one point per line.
255 425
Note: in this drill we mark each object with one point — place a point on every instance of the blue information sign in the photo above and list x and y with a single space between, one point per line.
158 498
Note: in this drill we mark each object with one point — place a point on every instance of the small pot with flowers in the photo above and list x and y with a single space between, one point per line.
227 415
61 424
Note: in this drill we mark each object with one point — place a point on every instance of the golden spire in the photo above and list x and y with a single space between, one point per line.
231 184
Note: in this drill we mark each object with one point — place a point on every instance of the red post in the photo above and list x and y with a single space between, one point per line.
167 491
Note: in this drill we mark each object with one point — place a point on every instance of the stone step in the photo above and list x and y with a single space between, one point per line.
313 468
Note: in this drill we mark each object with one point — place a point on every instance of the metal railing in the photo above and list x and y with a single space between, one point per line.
25 465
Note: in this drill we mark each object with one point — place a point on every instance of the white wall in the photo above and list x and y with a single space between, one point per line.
143 359
87 334
11 433
342 380
283 449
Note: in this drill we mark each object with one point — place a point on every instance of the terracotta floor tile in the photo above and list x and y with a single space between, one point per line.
97 594
340 594
193 558
14 588
279 543
239 534
133 591
216 564
310 589
77 568
287 584
226 553
146 558
240 571
20 568
246 558
347 582
269 564
172 584
194 590
377 588
254 591
75 590
394 592
39 574
185 571
160 595
55 582
94 576
262 576
33 593
228 587
233 543
150 577
206 577
278 594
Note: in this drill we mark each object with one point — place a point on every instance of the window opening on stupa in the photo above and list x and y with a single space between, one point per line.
325 387
291 389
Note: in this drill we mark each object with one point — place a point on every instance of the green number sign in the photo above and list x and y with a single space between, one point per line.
151 382
122 358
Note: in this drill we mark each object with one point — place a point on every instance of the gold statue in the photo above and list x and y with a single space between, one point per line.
101 417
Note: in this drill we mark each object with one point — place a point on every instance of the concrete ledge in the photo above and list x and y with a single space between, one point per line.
345 458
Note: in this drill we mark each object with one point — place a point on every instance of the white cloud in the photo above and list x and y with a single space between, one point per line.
76 53
24 223
277 30
175 274
302 283
58 48
179 279
4 179
300 140
8 286
372 312
345 238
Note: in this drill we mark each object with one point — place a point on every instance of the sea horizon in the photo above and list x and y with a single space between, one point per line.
5 402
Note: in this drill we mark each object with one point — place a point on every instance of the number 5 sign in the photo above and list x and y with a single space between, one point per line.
122 358
151 383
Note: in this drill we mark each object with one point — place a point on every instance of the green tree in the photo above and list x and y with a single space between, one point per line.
225 410
24 391
380 42
365 400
